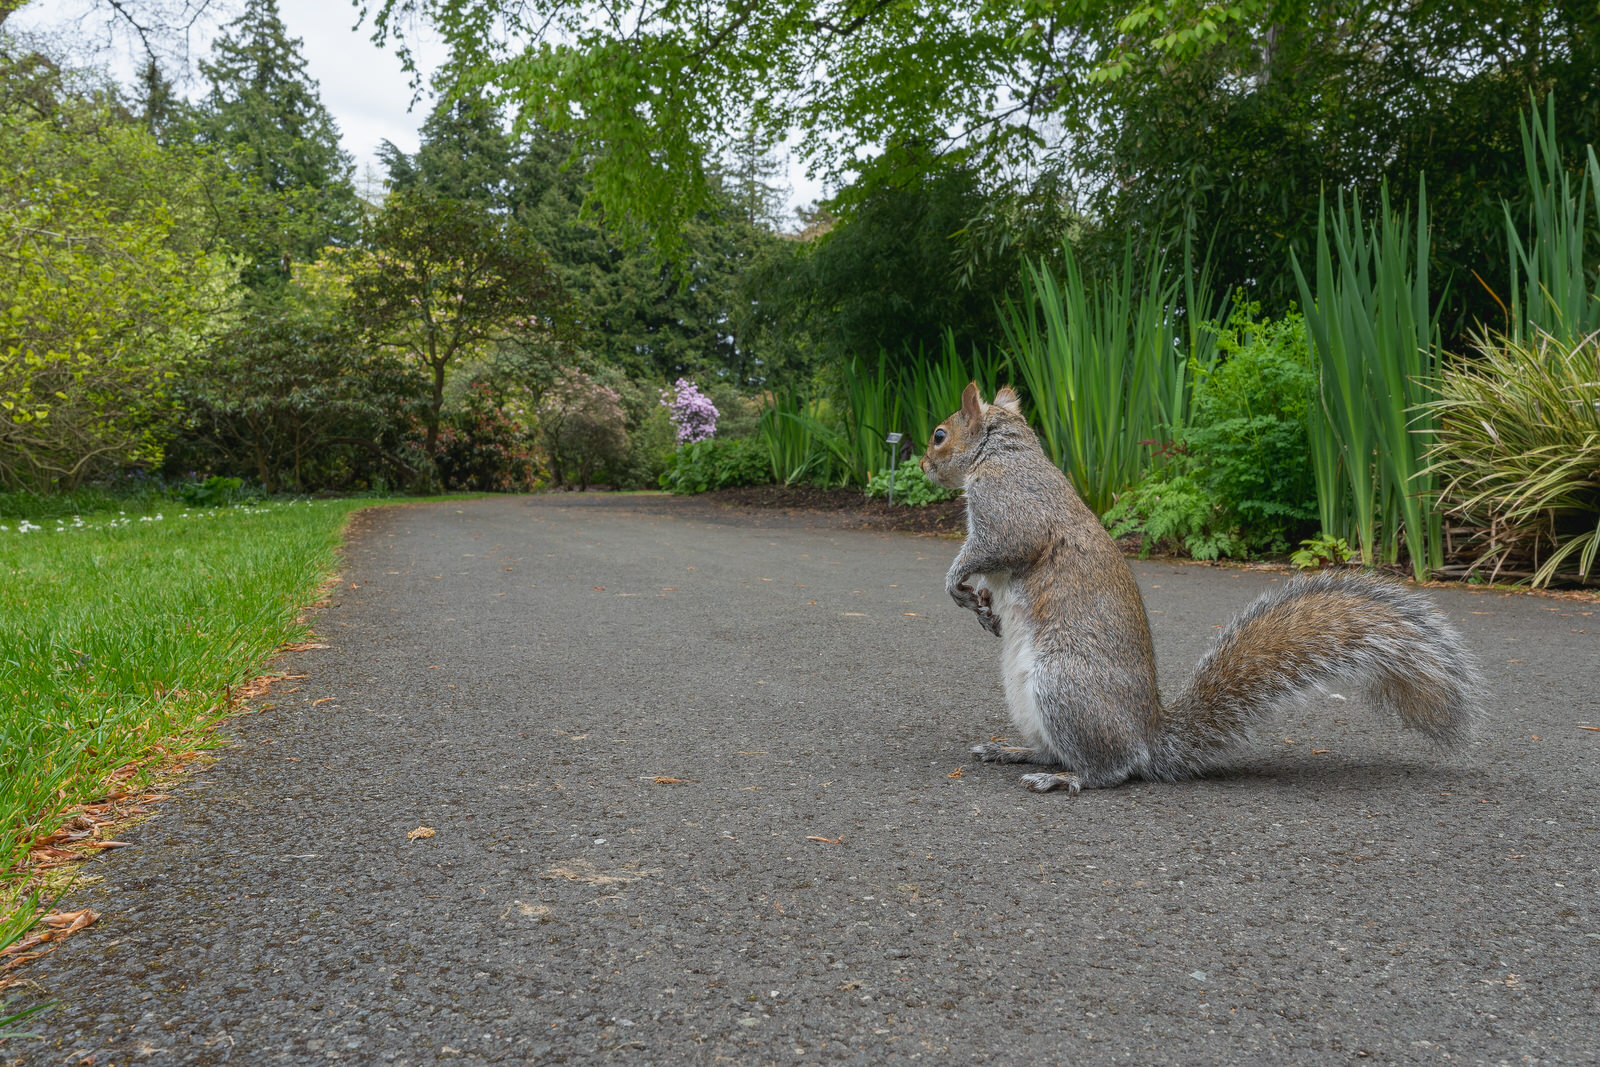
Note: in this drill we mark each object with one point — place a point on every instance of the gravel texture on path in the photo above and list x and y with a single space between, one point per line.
699 793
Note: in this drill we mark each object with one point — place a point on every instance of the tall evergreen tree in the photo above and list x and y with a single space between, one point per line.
753 181
465 153
158 104
265 115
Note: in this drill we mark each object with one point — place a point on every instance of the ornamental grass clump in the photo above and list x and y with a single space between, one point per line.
693 413
1518 454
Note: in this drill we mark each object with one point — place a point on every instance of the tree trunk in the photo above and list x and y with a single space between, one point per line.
436 406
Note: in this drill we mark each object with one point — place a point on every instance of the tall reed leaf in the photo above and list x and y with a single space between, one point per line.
1375 331
1102 367
1553 292
799 442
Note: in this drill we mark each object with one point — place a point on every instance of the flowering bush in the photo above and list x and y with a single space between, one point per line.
484 446
693 413
583 427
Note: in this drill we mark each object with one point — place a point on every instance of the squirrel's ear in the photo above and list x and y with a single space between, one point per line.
971 406
1007 398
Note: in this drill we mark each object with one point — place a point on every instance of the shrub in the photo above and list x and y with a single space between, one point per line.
289 400
719 463
651 446
1247 436
911 486
1239 478
801 446
737 416
485 447
1519 451
583 427
693 413
214 492
1168 504
1320 551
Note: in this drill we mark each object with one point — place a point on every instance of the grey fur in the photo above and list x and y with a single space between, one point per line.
1041 573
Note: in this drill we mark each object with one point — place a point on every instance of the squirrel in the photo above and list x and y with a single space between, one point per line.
1044 576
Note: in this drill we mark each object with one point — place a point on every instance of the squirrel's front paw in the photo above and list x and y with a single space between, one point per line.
988 619
967 597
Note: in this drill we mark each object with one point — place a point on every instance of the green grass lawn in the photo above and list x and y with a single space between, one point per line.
120 635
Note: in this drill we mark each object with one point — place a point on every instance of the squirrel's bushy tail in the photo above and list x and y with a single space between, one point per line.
1331 628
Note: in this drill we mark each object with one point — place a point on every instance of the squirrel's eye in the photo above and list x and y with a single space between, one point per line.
938 436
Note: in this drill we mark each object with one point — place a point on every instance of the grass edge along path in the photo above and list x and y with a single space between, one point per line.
123 643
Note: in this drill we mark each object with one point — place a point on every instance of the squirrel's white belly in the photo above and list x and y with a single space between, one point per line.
1016 656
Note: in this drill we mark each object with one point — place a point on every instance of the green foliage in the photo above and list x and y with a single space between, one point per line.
440 279
1145 116
798 436
465 153
1247 433
880 278
1320 551
810 439
1555 278
1518 451
1375 328
1107 366
214 492
582 427
108 286
717 463
1169 504
288 398
652 442
737 415
262 114
909 486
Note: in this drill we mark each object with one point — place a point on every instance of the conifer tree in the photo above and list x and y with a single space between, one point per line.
264 113
465 154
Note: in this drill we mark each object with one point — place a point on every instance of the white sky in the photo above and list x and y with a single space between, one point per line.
361 84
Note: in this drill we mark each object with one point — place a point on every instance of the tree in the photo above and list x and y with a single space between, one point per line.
751 180
264 115
161 27
465 152
438 279
881 279
288 397
107 286
639 311
1230 115
583 427
651 92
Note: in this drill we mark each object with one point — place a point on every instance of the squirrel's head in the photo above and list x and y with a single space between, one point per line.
954 445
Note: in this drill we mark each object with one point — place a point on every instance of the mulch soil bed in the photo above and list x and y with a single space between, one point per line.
847 508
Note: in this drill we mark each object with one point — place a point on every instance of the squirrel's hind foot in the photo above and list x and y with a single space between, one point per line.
1044 783
996 752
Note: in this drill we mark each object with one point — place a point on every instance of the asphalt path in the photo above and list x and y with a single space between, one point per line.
700 794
